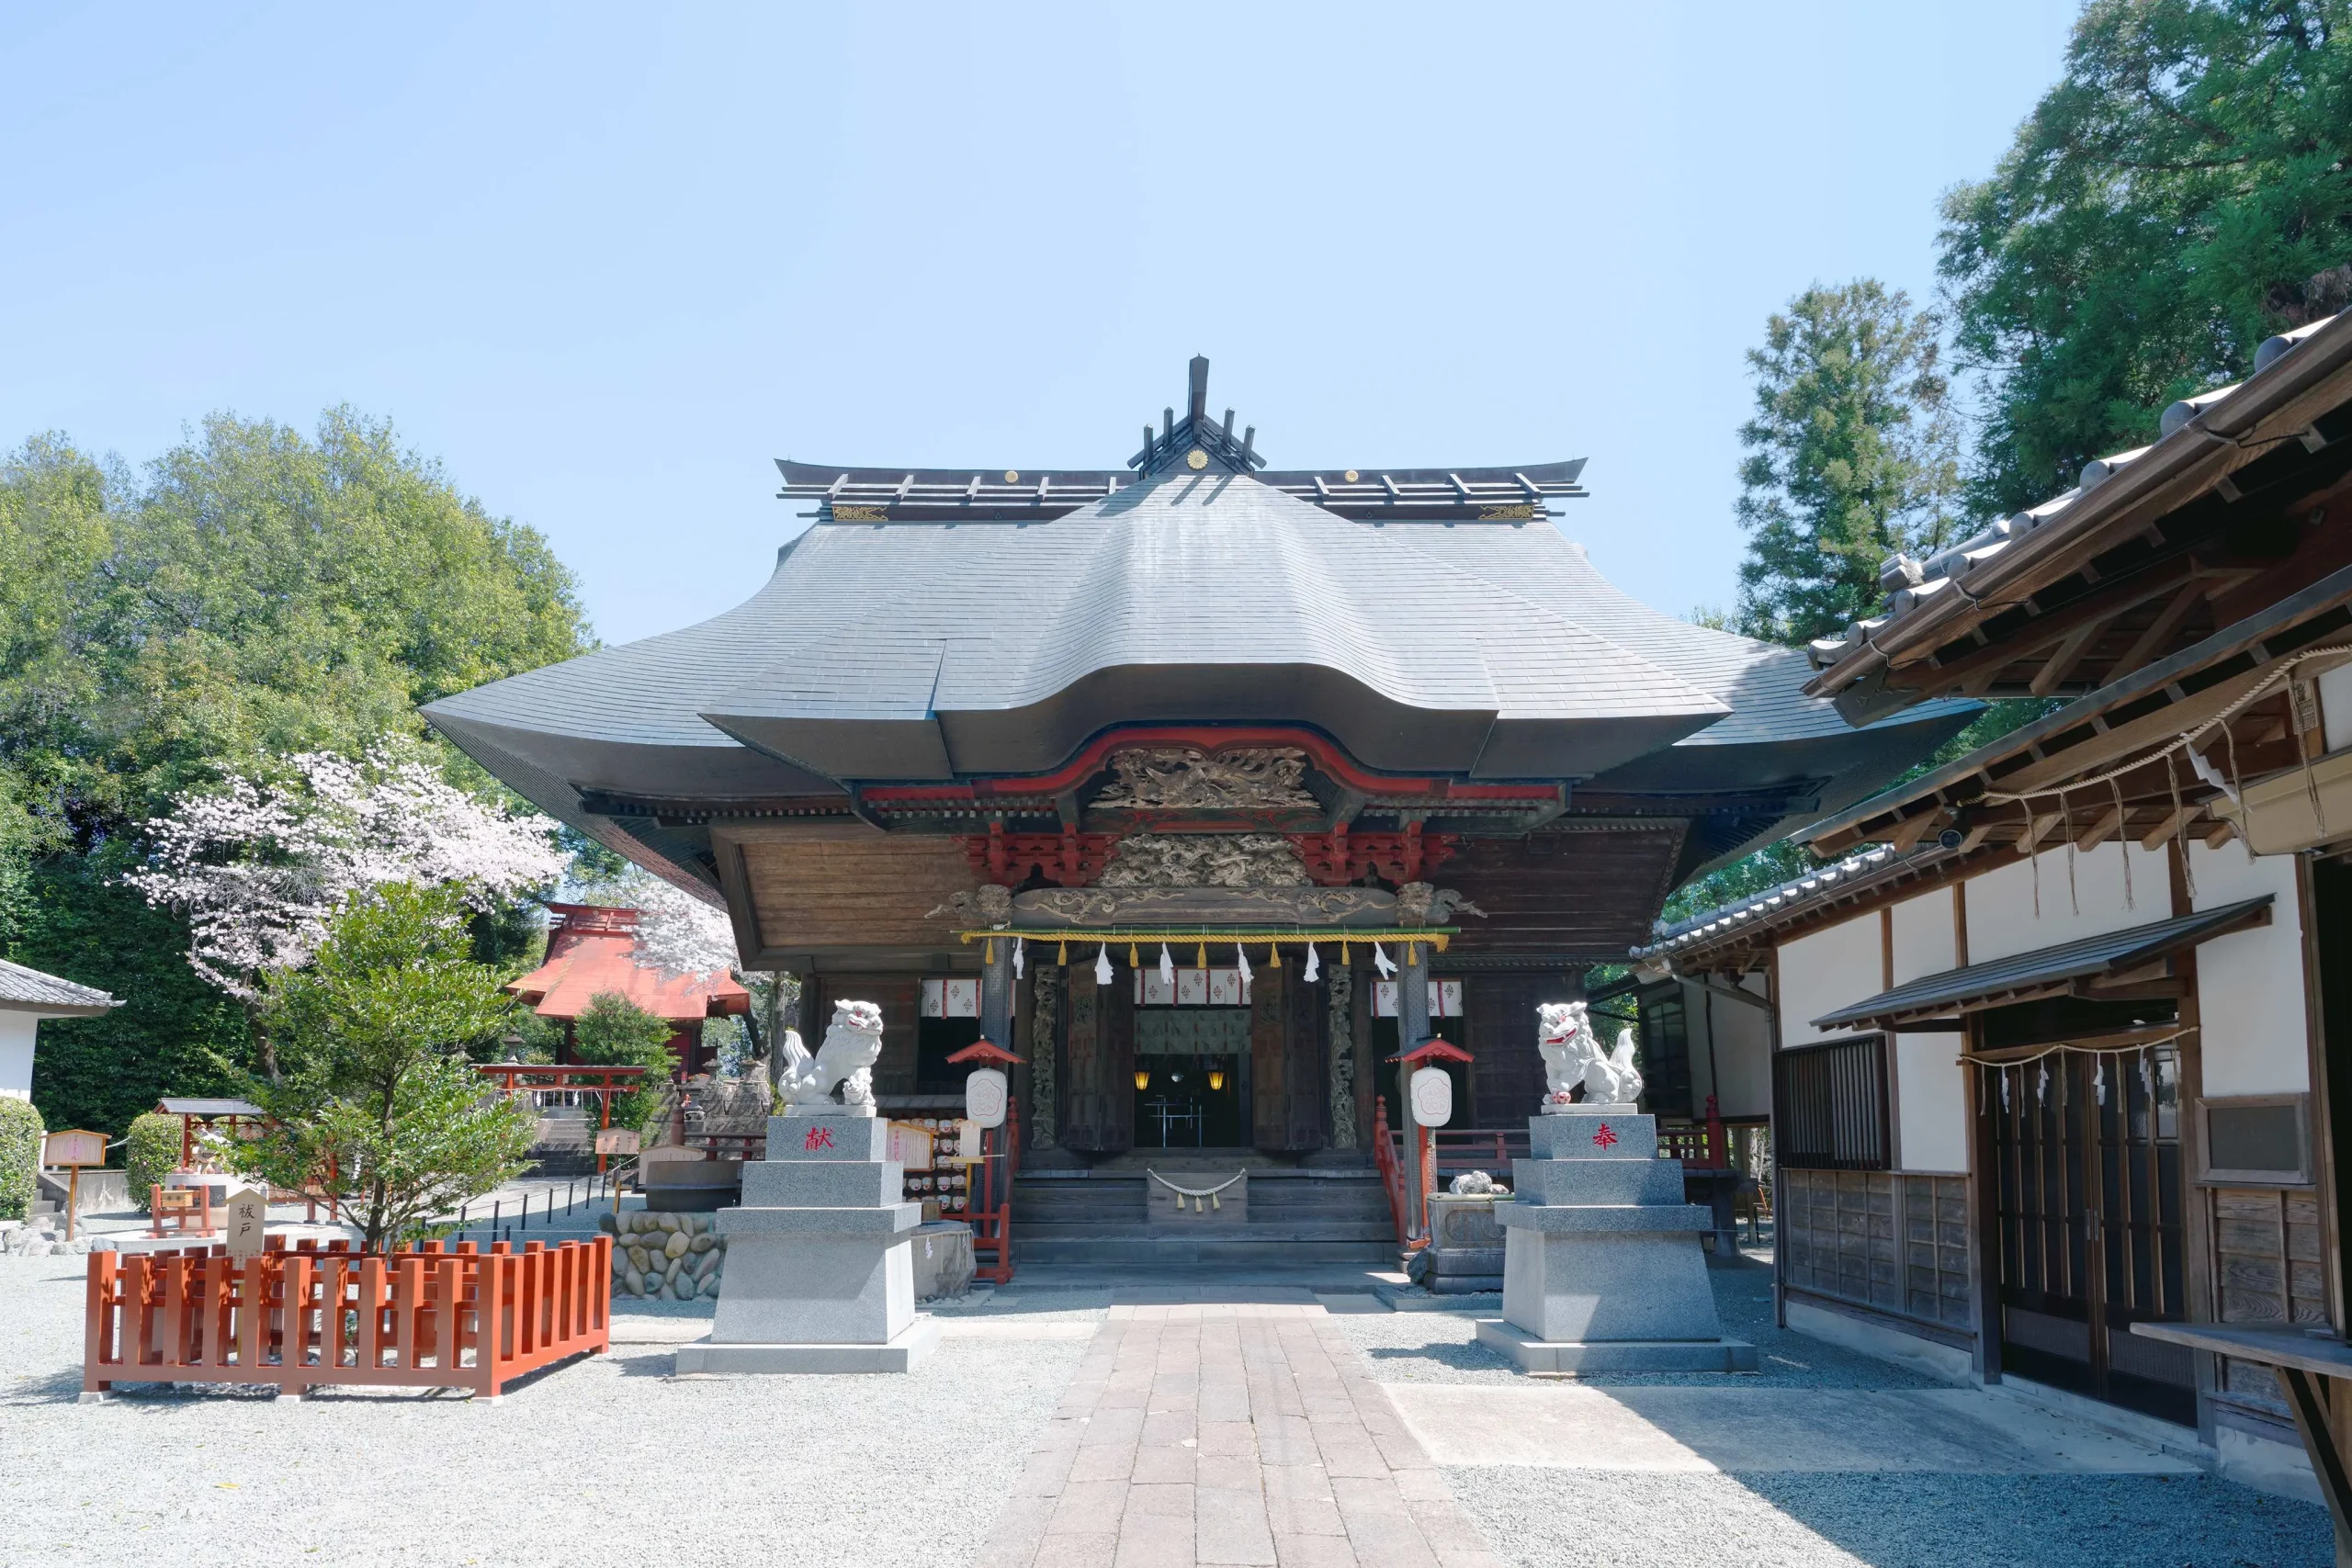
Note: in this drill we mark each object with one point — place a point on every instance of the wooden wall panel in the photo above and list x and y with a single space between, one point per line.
1507 1075
2267 1270
1098 1103
1880 1239
1586 892
833 887
1285 1062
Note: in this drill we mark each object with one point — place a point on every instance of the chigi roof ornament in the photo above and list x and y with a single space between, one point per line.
1198 440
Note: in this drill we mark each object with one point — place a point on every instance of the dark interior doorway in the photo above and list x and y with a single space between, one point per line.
936 1039
1186 1103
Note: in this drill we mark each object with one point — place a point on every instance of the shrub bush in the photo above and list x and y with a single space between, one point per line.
151 1154
20 1135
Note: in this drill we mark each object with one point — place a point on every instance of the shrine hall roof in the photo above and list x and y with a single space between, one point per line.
897 652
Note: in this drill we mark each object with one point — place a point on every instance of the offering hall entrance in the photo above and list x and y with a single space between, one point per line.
1191 1071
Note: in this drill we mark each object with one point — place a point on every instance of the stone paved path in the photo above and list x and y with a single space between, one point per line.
1229 1433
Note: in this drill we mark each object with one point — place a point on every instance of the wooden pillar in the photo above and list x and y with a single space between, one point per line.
1412 1029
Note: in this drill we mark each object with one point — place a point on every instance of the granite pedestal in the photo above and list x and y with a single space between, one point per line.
820 1274
1602 1268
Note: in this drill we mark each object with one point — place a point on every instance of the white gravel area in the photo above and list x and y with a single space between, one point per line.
608 1457
1442 1346
1559 1519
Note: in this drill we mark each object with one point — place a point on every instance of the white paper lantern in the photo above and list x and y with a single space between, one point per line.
985 1096
1432 1098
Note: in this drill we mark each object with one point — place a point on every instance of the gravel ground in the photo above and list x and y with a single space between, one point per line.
608 1457
1570 1518
1558 1519
1442 1346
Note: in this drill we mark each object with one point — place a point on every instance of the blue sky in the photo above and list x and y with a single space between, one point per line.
607 263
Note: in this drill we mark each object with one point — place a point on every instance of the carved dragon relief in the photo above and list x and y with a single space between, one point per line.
1162 778
1204 860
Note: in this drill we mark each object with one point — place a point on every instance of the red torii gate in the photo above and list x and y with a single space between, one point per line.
604 1082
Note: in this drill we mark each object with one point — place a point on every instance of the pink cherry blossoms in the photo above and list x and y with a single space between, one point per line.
259 868
680 933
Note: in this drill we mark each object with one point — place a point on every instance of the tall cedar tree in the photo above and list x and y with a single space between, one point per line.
2184 192
1851 458
254 591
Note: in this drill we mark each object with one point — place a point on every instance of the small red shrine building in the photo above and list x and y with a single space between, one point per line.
592 950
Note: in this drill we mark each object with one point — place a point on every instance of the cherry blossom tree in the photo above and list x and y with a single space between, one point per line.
259 866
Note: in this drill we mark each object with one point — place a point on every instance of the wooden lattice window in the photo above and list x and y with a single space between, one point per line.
1829 1105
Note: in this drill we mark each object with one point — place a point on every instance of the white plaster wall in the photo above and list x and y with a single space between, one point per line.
1742 1080
2250 983
1826 970
2002 919
1930 1104
16 1054
1923 933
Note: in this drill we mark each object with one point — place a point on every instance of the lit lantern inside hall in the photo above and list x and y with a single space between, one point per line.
1143 1077
1216 1077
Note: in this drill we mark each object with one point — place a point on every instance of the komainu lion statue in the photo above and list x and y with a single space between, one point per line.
1572 1058
1564 1039
853 1042
1614 1079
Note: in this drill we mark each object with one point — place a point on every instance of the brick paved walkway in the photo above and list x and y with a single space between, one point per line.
1229 1433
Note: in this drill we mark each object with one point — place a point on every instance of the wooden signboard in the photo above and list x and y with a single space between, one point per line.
248 1217
73 1149
616 1141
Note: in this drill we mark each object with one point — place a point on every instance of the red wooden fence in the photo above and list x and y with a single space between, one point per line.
417 1317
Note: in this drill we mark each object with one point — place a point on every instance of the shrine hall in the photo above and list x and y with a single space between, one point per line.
1199 784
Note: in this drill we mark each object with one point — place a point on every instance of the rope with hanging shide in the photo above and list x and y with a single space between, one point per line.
1198 1195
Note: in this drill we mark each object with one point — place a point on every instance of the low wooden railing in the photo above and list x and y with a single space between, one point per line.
418 1317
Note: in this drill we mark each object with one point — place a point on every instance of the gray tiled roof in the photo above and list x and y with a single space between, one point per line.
29 990
2109 953
1911 583
1192 572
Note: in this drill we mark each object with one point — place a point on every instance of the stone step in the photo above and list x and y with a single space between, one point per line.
1237 1246
1269 1230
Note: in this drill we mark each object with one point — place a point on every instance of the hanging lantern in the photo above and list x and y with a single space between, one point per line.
1143 1077
1216 1077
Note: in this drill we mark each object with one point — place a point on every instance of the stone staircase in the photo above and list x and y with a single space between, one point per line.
1296 1216
566 1147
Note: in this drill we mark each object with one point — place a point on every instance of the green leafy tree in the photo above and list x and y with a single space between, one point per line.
151 1152
253 592
375 1076
614 1032
2183 192
1852 456
20 1138
174 1034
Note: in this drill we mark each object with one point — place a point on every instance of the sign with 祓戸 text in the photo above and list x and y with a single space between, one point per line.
248 1217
